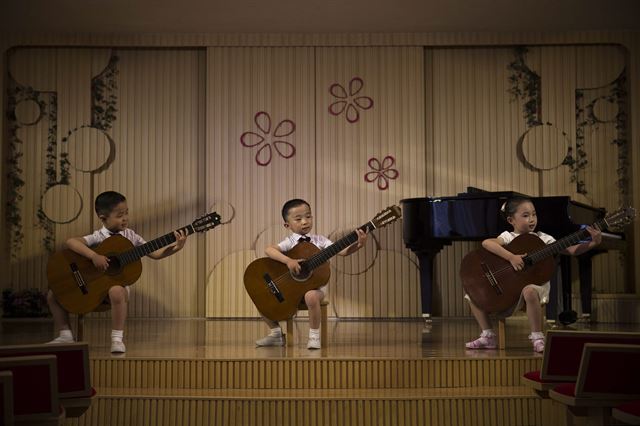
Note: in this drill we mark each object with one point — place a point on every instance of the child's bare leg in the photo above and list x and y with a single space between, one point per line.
271 324
274 338
534 310
312 299
487 339
60 320
118 297
534 313
60 316
481 316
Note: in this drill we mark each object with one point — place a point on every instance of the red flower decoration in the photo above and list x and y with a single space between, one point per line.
349 102
381 172
283 148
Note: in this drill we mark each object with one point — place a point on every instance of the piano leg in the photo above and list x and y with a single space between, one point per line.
552 306
586 279
567 316
425 258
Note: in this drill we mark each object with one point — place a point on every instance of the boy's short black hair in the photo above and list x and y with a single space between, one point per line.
107 201
291 204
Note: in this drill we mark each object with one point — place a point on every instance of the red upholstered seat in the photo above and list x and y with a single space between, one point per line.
568 389
533 375
631 407
35 383
563 353
72 361
628 413
568 349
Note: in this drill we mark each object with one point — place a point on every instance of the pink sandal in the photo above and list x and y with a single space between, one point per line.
538 345
483 342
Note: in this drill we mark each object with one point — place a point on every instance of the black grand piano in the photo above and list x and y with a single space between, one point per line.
431 223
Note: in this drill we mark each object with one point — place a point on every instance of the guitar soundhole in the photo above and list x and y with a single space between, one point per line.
303 275
115 267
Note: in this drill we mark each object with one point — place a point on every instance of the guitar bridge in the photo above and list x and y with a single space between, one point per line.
273 288
492 279
80 282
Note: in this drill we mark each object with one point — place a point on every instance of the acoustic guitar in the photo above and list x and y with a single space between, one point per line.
80 287
494 286
277 293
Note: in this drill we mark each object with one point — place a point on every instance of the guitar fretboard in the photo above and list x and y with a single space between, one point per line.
139 252
562 244
335 248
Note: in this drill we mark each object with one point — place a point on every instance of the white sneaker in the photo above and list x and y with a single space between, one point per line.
117 347
314 343
61 339
270 341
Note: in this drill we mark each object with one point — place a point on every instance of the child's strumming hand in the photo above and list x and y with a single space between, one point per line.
181 238
99 261
294 266
516 261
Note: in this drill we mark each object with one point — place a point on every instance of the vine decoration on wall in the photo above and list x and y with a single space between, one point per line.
104 96
525 86
585 119
103 114
48 240
17 93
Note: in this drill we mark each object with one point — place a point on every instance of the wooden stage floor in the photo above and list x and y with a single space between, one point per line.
234 339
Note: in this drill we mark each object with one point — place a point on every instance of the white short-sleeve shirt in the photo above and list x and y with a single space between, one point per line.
291 241
103 233
508 236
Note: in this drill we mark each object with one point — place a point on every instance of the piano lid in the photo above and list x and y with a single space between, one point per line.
476 215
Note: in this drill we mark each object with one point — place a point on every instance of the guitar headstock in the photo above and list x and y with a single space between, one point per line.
621 217
387 216
206 222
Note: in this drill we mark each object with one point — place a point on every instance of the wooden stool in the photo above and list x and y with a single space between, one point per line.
323 323
502 326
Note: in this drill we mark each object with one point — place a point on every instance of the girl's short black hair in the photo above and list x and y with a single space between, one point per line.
510 206
291 204
107 201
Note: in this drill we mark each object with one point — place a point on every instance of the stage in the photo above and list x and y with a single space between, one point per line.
196 371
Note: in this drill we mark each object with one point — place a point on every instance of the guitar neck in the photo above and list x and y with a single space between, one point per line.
562 244
324 255
139 252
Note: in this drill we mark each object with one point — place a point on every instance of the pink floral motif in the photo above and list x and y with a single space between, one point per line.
349 102
283 129
382 172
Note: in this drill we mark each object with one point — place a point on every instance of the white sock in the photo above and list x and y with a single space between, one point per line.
117 335
488 333
314 333
66 333
275 332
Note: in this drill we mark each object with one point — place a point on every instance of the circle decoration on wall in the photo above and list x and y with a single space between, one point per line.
225 209
605 109
90 150
543 147
360 261
61 203
28 112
